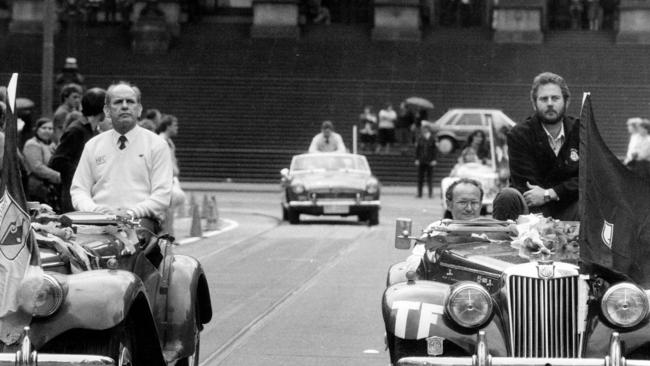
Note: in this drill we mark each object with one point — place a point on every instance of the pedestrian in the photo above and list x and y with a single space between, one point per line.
404 127
640 150
126 171
425 159
594 14
37 151
368 131
633 129
70 101
544 151
67 154
575 11
327 140
386 129
69 75
168 129
154 115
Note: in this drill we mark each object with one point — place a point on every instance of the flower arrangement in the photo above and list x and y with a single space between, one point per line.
546 238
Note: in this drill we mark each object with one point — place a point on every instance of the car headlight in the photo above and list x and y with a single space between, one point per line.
297 188
372 186
40 296
469 304
625 305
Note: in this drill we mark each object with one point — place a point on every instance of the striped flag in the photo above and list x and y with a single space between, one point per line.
19 258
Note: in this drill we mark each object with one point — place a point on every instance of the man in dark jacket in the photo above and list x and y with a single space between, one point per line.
543 151
425 158
68 152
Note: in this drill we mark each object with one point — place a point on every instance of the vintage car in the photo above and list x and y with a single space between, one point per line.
457 124
109 293
468 296
330 184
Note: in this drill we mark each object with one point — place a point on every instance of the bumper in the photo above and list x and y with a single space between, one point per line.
334 207
482 358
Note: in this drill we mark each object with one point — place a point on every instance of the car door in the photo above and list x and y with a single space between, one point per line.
468 122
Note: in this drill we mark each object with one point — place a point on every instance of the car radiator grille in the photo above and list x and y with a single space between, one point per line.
543 316
336 195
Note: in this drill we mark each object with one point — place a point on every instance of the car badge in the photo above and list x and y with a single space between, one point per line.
607 234
574 155
434 346
545 269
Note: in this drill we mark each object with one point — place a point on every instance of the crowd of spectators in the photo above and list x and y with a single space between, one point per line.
584 14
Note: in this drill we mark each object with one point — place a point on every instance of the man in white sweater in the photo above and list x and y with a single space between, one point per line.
126 171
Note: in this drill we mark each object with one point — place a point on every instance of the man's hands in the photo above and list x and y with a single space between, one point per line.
535 195
123 213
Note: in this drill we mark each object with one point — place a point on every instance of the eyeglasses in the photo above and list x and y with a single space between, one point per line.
466 204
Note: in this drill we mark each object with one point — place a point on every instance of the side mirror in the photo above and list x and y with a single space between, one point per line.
403 233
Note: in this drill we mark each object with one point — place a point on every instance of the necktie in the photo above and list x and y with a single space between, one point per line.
122 141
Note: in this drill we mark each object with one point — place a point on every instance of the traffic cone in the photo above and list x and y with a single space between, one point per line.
205 209
213 217
216 209
195 228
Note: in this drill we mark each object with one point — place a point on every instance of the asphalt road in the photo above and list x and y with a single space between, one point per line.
306 294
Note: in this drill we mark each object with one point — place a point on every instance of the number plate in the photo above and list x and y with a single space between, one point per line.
336 209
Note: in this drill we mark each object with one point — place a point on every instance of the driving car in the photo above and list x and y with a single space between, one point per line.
457 124
107 292
467 295
330 184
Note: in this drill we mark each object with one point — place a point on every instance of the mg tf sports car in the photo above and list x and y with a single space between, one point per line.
330 184
107 292
471 296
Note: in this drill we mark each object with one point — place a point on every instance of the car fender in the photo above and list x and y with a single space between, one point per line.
416 310
397 272
95 300
447 134
636 341
188 293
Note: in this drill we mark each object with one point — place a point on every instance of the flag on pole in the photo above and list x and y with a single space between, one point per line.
615 209
19 258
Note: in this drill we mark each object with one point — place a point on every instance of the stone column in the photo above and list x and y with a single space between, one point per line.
397 20
275 19
519 21
634 22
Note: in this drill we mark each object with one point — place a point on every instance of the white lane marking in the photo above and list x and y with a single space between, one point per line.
230 225
371 352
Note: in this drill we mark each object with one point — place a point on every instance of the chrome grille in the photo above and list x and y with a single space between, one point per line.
543 316
335 195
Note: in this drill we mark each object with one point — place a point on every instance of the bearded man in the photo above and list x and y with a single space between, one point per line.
544 151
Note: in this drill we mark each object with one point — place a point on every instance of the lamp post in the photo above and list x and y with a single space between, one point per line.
47 74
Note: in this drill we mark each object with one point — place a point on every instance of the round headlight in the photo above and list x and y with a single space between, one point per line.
469 305
372 186
298 188
42 296
625 305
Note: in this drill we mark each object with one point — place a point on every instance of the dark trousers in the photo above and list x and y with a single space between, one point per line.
425 169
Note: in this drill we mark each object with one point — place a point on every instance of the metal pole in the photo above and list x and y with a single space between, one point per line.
354 139
47 74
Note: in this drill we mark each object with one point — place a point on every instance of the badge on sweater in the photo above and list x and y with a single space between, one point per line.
574 155
100 160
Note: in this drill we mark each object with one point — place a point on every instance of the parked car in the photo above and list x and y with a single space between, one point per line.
330 184
457 124
476 300
110 293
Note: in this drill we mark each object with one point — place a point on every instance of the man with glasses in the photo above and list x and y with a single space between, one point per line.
464 199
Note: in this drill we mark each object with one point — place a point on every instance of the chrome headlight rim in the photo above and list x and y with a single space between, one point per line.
297 188
372 186
610 295
45 300
461 288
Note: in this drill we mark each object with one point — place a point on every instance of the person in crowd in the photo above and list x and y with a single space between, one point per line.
147 124
69 75
639 153
317 13
70 101
465 10
126 171
71 117
404 126
386 129
327 140
476 149
425 159
594 14
633 129
67 154
154 115
168 129
575 11
544 151
37 152
368 131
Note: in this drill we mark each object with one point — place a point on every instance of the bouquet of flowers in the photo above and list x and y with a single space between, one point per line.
546 238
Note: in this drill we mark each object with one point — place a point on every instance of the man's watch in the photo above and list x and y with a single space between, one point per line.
547 195
131 214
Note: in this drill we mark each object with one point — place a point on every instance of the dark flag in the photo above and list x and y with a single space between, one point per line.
19 258
615 209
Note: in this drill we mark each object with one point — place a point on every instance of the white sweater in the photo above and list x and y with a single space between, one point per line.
138 177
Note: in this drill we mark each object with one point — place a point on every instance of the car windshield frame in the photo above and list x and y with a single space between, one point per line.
329 163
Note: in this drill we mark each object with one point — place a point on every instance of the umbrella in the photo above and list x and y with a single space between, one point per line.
419 102
24 103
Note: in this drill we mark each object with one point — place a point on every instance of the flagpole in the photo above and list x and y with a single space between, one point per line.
47 74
